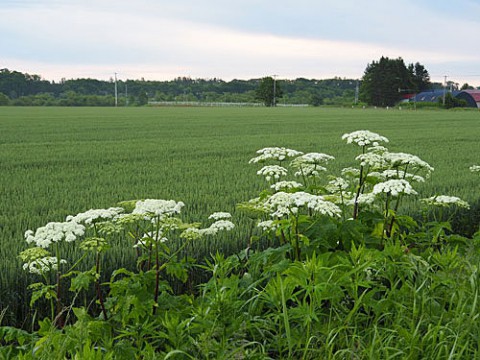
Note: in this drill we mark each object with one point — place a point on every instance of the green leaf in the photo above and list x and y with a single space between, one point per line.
83 280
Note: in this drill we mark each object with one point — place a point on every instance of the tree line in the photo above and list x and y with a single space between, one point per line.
23 89
385 82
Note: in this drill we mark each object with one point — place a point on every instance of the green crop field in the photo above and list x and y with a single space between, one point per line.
56 162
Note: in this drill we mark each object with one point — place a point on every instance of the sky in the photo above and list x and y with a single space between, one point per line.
243 39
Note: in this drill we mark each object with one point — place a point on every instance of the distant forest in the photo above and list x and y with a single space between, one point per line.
21 89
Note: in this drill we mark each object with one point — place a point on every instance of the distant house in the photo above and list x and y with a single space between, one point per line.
472 97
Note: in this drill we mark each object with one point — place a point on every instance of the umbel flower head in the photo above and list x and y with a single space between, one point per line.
286 185
220 215
364 138
403 159
274 153
55 232
394 187
152 208
38 261
446 201
272 171
475 168
283 204
94 215
312 158
43 265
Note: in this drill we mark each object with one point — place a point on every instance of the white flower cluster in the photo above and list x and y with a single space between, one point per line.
475 168
337 185
152 208
54 232
371 159
364 138
395 174
446 201
310 170
274 153
311 158
286 185
43 265
394 187
155 236
363 199
220 216
193 233
218 226
272 171
283 204
378 149
93 215
413 161
267 225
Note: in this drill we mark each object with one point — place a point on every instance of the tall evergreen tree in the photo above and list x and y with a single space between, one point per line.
384 80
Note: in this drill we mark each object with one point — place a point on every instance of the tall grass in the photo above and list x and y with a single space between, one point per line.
60 161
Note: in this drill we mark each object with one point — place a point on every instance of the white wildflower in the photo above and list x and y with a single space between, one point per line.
374 160
337 184
375 175
475 168
394 187
274 153
220 215
312 158
283 204
280 204
272 171
267 225
218 226
364 138
378 149
152 208
286 185
310 170
446 201
155 236
55 232
93 215
395 174
413 161
309 164
43 265
363 199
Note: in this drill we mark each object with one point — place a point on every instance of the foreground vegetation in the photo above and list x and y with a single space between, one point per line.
335 270
57 162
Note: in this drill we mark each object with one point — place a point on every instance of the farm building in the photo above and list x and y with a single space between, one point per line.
472 97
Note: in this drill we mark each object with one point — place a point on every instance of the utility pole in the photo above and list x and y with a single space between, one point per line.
356 93
126 95
274 89
444 89
116 93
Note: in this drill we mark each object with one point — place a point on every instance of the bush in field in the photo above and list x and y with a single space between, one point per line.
334 270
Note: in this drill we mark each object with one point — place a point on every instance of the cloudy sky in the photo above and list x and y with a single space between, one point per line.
243 39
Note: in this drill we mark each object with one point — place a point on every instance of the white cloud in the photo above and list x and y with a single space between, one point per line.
158 40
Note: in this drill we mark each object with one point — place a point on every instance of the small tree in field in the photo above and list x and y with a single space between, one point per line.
269 91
